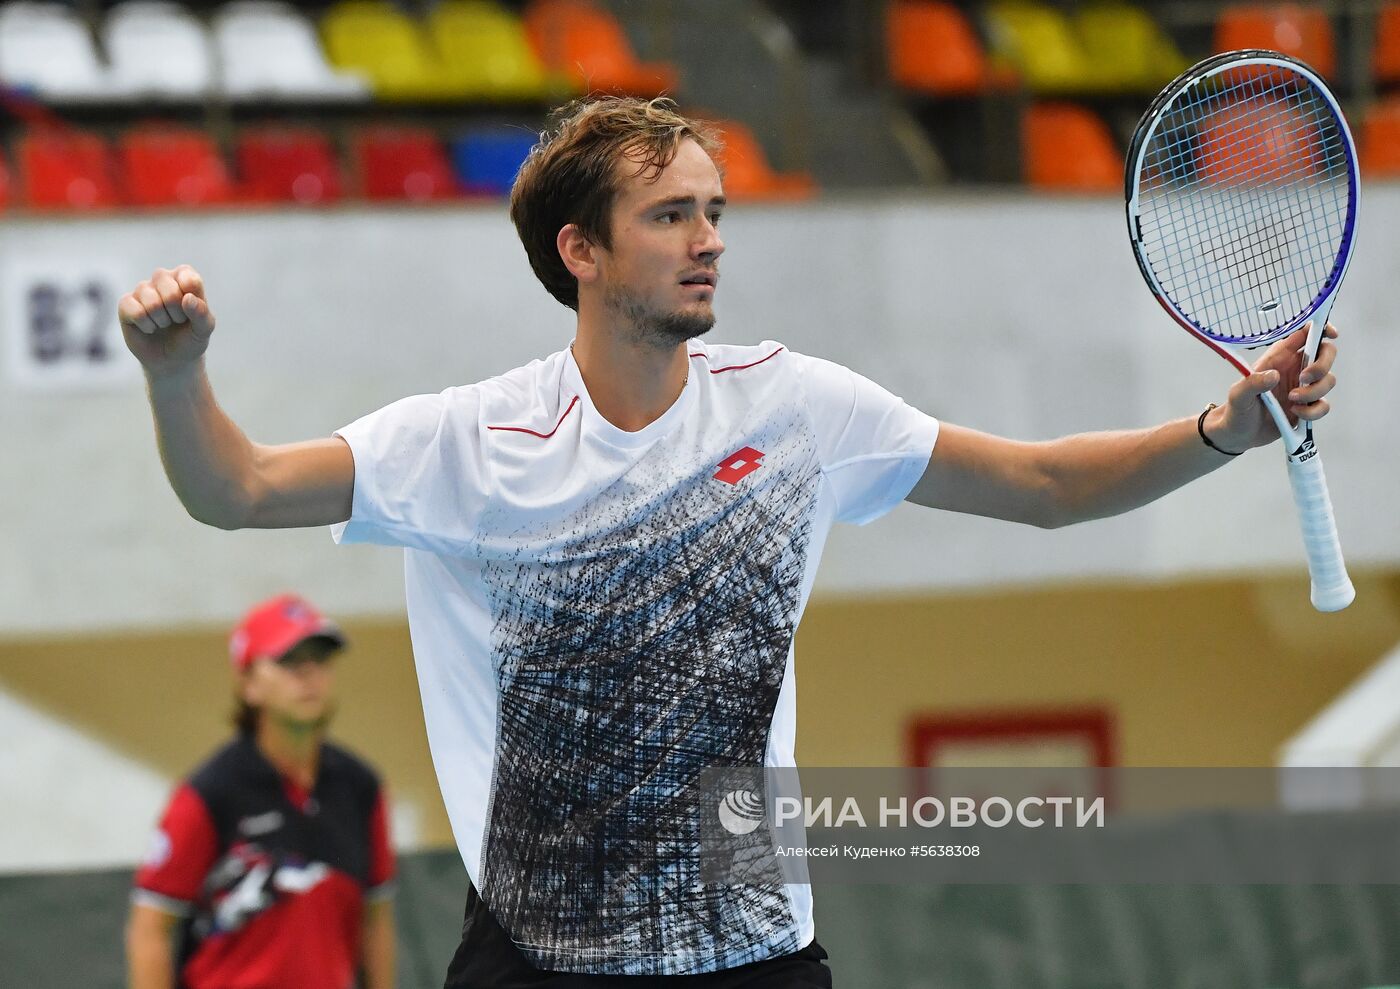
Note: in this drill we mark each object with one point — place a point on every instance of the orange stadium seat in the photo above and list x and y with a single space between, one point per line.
1067 147
1242 141
1379 140
1385 60
1303 32
747 173
288 165
63 169
931 48
403 163
168 166
588 45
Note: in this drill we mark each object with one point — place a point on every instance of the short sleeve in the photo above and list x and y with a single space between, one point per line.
418 473
874 447
382 864
182 851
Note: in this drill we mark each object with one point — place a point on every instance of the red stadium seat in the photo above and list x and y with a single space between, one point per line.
1068 148
288 165
588 45
4 183
173 166
65 169
403 163
1303 32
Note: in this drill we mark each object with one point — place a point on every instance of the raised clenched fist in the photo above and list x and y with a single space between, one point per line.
166 320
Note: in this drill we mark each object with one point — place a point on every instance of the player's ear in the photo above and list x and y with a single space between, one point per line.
246 686
578 253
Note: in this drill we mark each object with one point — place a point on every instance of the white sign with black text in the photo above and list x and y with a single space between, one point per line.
59 321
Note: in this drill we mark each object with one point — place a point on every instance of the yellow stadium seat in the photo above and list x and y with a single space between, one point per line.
484 49
391 49
1129 52
1042 45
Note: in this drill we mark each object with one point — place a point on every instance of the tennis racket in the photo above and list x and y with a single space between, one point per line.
1242 190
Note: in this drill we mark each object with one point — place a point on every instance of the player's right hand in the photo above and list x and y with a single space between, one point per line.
166 321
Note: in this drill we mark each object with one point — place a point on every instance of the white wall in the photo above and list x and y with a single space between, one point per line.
1024 316
50 824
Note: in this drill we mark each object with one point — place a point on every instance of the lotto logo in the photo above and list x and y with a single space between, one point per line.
739 465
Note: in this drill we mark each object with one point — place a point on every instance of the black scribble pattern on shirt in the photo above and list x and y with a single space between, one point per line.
629 659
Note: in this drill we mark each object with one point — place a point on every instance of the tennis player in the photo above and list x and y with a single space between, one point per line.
609 549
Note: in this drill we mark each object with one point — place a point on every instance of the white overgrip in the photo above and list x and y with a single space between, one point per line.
1331 587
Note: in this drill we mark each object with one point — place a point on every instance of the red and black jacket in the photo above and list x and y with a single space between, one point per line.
271 881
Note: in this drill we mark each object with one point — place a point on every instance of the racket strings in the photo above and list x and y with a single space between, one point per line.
1243 200
1263 249
1265 175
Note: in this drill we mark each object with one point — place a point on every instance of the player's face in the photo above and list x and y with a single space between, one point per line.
660 275
296 690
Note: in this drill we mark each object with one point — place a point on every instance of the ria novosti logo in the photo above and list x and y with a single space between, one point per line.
741 812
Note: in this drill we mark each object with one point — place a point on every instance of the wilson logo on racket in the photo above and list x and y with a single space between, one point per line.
739 465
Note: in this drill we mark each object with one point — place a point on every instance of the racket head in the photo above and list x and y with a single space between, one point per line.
1242 190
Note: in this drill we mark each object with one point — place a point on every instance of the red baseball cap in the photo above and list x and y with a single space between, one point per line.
277 626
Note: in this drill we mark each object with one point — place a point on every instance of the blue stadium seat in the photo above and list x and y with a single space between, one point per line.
487 159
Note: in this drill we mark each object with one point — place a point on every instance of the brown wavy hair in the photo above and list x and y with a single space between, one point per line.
570 177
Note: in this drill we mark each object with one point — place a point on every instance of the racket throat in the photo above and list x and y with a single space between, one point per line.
1305 450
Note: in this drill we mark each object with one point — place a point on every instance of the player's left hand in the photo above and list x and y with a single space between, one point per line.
1243 422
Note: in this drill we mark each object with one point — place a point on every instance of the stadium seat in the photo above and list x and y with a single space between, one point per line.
158 49
172 166
931 48
268 49
389 48
486 49
403 163
1244 140
1378 142
4 182
1303 32
1067 148
1129 52
1385 59
486 160
47 48
1042 46
747 174
65 169
588 45
287 165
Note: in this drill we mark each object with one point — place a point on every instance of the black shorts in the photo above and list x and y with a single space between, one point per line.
486 959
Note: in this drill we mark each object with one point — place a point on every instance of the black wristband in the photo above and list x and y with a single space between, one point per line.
1201 428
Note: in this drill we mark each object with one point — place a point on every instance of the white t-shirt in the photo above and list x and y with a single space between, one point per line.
598 616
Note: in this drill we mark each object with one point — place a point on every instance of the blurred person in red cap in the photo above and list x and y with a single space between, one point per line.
272 864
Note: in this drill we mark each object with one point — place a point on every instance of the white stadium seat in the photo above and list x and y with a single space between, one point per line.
158 49
47 48
269 50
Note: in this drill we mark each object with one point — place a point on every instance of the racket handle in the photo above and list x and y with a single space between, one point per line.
1331 587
